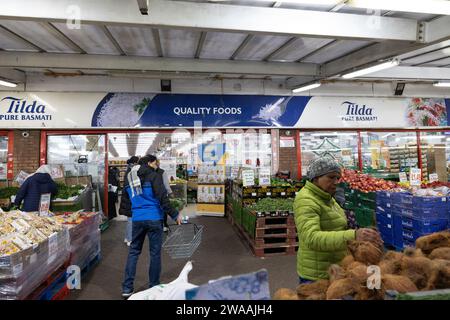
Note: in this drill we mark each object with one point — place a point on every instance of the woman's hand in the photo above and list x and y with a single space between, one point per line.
366 234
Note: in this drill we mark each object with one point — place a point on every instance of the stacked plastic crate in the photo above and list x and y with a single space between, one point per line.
402 217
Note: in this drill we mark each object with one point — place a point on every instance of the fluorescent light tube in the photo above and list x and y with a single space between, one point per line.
378 67
441 84
7 84
305 88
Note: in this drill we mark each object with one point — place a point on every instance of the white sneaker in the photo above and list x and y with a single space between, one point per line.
128 243
165 229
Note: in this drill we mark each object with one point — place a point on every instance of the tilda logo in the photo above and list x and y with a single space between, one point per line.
356 112
21 109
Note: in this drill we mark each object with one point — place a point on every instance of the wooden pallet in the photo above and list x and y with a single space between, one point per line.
275 222
276 231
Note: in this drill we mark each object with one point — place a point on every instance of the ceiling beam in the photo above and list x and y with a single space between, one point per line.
411 73
241 46
113 40
109 62
158 44
217 17
201 41
437 29
12 75
281 48
50 28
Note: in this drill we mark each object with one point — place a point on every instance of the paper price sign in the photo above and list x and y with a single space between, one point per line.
433 177
44 205
402 177
415 177
264 177
248 178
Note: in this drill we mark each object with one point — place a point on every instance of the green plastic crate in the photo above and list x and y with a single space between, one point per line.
365 217
369 196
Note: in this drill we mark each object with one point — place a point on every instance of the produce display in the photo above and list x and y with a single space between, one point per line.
270 205
6 193
365 182
424 268
73 218
21 230
67 192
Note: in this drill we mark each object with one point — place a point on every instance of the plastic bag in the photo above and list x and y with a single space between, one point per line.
175 290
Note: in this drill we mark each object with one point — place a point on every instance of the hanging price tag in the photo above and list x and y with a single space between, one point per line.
415 177
264 176
248 178
402 177
433 177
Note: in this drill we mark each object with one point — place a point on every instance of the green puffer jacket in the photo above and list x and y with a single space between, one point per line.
322 232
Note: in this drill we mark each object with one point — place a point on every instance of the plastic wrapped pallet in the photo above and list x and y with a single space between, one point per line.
85 241
23 271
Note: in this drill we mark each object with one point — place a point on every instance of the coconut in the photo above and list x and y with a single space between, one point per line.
364 293
358 274
435 240
393 256
412 252
440 276
418 269
390 266
398 283
365 252
311 289
285 294
340 289
322 296
336 272
440 253
346 261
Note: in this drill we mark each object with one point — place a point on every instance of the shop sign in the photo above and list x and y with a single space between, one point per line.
433 177
16 109
248 178
415 177
356 112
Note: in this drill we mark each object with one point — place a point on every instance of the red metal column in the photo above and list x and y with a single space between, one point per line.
419 153
43 148
10 157
105 189
299 155
360 162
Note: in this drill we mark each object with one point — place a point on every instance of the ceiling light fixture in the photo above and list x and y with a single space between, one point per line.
375 68
7 84
442 84
307 87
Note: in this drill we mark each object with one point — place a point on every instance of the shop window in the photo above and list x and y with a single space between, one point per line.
342 146
3 156
385 154
435 148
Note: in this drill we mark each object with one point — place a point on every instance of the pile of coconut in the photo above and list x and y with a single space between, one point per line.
426 267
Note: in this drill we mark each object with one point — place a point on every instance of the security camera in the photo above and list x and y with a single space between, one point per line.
25 134
143 6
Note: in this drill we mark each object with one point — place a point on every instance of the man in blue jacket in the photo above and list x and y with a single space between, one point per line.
33 188
145 193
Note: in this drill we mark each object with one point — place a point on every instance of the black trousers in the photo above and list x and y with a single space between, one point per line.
112 199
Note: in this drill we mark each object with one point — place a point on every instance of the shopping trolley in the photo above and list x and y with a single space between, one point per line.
183 240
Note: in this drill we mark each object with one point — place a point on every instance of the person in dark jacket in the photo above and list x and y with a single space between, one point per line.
146 195
113 182
123 209
33 188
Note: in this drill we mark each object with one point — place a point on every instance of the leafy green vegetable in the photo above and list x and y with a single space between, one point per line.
269 204
6 193
66 192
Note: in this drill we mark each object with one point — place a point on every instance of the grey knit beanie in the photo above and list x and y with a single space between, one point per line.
321 167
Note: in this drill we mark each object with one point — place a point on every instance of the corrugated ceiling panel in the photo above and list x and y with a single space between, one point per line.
90 38
179 43
38 35
8 42
219 45
439 63
428 57
299 48
336 50
135 41
261 46
414 16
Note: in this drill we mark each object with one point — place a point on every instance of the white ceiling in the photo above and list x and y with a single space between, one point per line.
26 32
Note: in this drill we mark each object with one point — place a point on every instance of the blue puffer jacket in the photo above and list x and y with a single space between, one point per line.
152 203
31 190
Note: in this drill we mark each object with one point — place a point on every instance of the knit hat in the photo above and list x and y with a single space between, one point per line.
321 167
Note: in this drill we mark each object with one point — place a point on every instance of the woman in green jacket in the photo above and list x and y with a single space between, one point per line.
321 223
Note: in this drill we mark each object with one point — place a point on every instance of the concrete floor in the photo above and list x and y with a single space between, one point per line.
220 253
